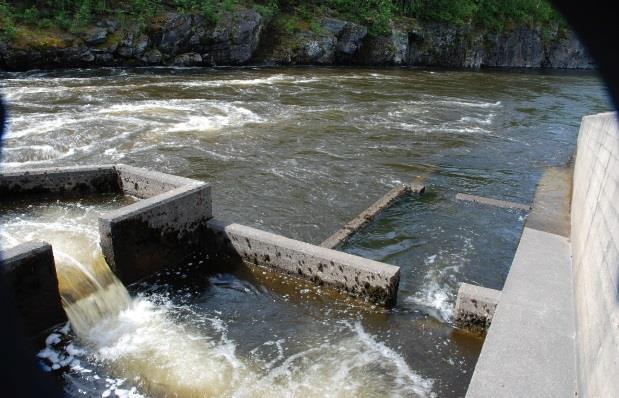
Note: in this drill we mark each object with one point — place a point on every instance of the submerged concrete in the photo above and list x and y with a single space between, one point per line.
361 220
30 274
171 223
378 282
492 202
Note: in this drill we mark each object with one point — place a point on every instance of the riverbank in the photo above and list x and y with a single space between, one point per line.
244 36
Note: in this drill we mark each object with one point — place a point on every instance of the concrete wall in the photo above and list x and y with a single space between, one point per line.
595 250
59 180
156 232
146 183
30 275
378 282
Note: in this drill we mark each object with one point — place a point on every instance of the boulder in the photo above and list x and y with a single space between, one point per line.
175 33
152 57
349 40
332 25
233 40
188 59
94 35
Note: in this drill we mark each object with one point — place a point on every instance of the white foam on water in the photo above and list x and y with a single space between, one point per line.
440 283
147 343
147 346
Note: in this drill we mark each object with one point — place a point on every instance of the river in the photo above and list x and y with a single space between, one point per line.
300 151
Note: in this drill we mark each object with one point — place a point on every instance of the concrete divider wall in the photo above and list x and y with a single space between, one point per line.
157 232
59 180
378 282
146 183
30 275
595 250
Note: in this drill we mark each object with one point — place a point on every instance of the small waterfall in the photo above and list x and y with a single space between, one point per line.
150 345
89 293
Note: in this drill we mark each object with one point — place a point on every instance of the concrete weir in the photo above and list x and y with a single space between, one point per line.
378 282
158 231
361 220
171 221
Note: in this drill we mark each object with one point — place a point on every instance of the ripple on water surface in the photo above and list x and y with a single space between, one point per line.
301 151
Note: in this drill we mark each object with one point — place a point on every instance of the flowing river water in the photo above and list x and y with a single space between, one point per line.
299 152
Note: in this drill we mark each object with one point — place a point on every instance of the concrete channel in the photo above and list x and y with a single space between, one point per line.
552 331
170 222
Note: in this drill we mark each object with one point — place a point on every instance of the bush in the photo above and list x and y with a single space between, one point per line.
7 22
268 9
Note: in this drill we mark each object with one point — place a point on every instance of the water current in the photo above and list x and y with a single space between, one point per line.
296 151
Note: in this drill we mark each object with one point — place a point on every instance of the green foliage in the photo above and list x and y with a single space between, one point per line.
289 15
83 14
31 15
7 22
267 9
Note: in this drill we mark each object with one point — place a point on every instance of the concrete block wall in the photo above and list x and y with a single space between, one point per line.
595 251
377 282
59 180
158 232
30 275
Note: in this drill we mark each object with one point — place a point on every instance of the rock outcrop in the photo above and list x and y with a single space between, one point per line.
244 36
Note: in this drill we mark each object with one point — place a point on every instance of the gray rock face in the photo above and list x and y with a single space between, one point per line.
175 33
441 45
152 57
188 59
349 41
318 50
567 52
385 50
94 36
236 37
521 47
233 40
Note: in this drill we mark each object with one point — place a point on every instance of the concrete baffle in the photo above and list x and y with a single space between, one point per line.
30 275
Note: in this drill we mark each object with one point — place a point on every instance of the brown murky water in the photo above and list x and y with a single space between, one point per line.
299 152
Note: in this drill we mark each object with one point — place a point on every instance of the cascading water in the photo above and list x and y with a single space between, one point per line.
299 152
150 345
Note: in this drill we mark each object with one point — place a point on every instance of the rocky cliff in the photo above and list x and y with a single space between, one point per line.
245 37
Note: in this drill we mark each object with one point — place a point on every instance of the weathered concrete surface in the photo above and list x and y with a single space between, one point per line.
529 350
475 307
595 250
344 233
492 202
378 282
157 232
30 274
144 183
58 181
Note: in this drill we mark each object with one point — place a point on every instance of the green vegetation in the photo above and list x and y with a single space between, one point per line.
290 14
